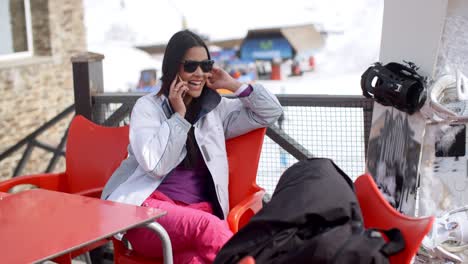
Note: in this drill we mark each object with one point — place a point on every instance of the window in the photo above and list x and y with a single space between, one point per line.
15 29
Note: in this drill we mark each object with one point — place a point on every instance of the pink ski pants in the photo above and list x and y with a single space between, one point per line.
196 234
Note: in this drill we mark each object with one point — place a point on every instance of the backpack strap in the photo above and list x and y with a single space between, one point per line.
395 243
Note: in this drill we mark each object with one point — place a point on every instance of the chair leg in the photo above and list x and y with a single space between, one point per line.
166 241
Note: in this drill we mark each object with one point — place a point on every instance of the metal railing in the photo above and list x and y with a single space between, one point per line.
335 127
32 141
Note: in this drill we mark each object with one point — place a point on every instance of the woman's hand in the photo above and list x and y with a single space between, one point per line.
176 91
220 79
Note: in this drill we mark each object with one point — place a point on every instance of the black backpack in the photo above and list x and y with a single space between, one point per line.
312 217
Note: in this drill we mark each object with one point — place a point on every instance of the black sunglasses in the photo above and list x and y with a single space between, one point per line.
191 66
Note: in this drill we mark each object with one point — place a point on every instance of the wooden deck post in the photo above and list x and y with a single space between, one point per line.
87 81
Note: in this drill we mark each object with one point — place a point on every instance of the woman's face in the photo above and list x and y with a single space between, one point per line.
195 79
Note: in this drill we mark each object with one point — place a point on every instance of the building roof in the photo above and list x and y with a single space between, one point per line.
226 44
301 37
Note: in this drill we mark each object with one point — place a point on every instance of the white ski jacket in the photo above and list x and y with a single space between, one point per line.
158 137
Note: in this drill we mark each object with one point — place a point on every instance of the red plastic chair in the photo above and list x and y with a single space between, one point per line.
245 196
93 152
378 213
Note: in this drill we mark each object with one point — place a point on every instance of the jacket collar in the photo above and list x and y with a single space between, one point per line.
210 99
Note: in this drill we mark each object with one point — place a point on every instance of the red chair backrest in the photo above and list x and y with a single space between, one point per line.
93 153
243 154
378 213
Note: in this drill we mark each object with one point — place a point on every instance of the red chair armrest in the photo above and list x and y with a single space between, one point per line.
242 212
378 213
94 192
50 181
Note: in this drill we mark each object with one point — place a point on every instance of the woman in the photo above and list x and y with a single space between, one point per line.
177 157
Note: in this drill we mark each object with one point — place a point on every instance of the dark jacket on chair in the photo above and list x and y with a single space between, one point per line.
312 214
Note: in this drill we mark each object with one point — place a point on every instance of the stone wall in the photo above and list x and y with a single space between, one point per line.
35 89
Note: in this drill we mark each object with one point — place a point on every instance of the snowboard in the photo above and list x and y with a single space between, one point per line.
394 155
404 38
397 130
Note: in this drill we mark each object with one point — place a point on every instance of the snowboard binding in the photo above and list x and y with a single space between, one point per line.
395 85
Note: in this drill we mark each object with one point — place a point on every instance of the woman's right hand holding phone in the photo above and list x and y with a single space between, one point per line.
177 90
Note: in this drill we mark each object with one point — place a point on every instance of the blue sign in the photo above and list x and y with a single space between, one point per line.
266 49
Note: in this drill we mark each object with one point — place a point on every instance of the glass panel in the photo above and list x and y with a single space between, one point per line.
13 33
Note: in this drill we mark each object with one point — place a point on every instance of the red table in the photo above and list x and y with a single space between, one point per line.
38 225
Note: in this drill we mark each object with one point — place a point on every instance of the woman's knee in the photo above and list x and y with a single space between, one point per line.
214 231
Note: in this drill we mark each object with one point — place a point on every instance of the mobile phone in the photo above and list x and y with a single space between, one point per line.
179 79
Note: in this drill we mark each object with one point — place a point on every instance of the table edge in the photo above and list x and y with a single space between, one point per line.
145 222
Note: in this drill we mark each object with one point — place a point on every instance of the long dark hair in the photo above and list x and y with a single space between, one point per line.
175 51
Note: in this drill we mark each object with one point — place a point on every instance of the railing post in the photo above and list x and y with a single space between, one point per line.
87 81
